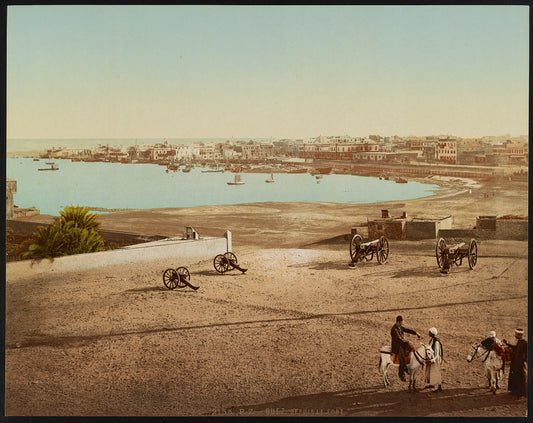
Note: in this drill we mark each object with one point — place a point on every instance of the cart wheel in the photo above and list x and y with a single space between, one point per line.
232 258
171 278
472 254
183 275
383 250
355 246
440 252
221 263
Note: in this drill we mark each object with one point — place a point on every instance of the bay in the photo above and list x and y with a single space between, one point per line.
147 186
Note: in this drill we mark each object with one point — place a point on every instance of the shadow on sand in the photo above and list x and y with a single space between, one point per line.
377 402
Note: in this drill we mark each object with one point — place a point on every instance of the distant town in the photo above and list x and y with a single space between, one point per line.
373 154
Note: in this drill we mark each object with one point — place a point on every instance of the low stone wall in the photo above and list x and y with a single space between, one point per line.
427 228
23 228
466 234
183 252
512 229
421 230
516 231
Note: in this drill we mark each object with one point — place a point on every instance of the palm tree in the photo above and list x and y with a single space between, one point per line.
80 216
47 243
76 232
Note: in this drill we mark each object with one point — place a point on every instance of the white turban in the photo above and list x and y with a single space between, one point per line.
492 334
433 331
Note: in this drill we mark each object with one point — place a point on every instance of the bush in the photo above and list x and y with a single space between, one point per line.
76 232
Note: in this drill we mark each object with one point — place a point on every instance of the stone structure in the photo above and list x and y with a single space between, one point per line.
427 228
389 227
492 227
11 188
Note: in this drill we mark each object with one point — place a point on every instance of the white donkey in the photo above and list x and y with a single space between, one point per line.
493 364
416 359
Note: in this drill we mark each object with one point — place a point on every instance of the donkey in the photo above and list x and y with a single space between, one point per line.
493 364
416 360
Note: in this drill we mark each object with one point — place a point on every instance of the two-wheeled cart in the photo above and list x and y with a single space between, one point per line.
178 278
225 262
365 251
446 256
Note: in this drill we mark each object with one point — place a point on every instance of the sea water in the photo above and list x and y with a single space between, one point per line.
147 186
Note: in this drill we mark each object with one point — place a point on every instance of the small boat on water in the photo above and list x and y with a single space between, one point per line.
237 181
401 181
213 170
319 176
268 181
186 169
35 160
52 167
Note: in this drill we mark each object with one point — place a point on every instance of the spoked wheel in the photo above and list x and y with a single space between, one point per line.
355 246
440 252
232 258
383 250
472 254
183 276
171 278
221 263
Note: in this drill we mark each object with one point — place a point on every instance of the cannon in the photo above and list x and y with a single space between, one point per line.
365 251
178 278
446 256
226 262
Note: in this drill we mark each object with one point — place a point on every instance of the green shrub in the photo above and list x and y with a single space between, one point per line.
76 232
80 216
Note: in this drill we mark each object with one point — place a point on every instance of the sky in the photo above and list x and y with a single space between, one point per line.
266 71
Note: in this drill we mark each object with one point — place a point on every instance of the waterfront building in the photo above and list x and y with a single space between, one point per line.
447 150
427 149
335 151
257 151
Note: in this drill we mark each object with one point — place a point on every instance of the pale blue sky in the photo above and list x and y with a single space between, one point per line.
266 71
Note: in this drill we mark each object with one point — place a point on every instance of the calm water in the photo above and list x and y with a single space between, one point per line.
146 186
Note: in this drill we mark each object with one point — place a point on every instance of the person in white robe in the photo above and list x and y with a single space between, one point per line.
433 369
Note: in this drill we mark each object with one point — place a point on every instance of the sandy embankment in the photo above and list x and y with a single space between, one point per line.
298 334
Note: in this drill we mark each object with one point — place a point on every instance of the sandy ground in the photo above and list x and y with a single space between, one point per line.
298 334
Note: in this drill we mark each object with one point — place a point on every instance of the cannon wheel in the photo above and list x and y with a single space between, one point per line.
355 246
383 250
439 252
170 278
183 273
221 263
472 254
232 258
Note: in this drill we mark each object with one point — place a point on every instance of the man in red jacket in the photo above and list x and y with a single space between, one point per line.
398 343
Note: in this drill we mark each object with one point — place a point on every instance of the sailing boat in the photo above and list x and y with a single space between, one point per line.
271 179
52 166
237 181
